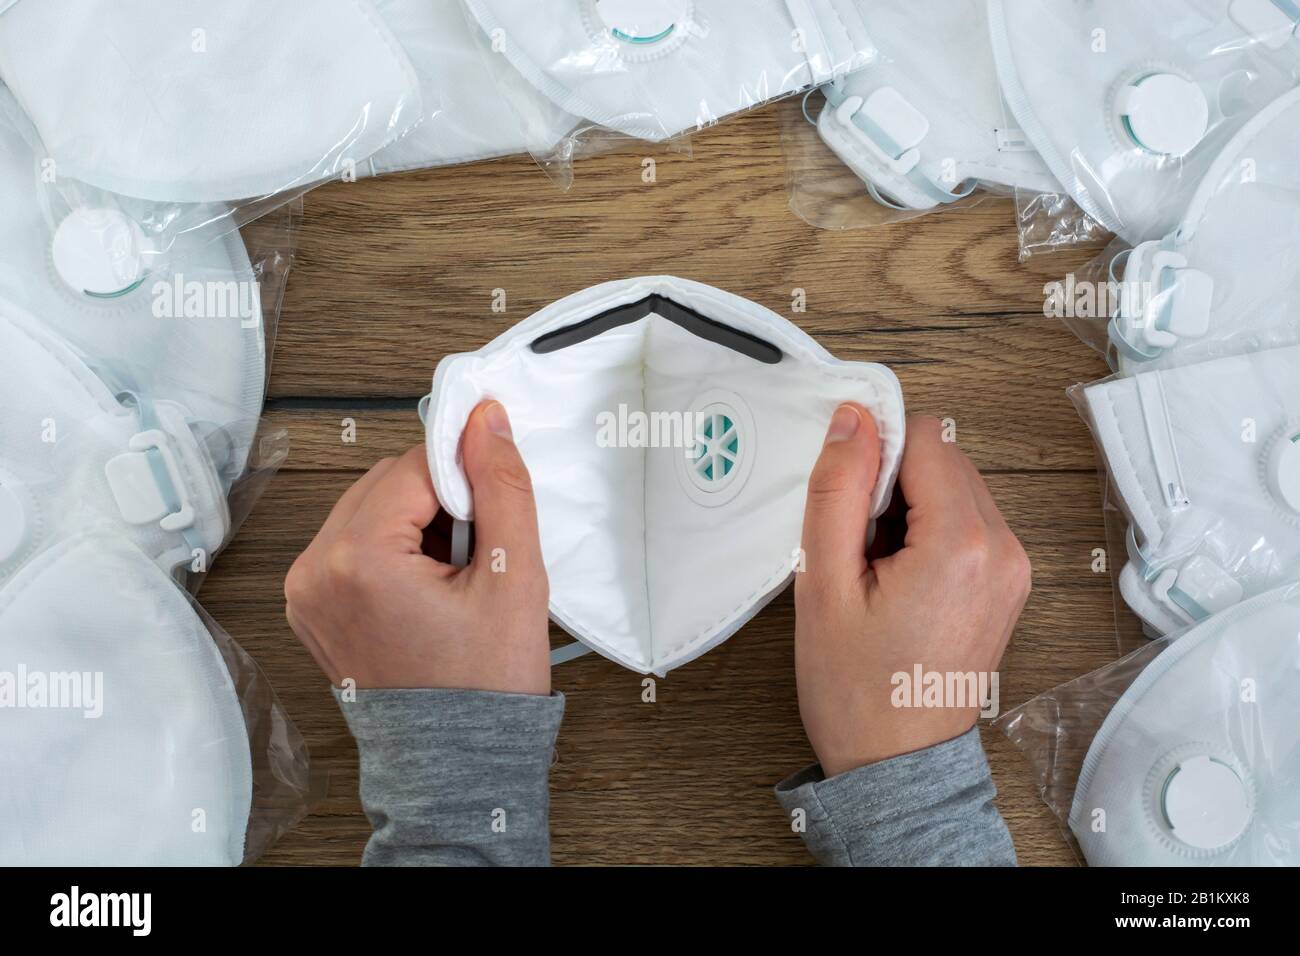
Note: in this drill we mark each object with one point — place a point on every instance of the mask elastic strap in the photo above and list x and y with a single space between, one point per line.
835 97
1290 9
569 652
459 543
806 116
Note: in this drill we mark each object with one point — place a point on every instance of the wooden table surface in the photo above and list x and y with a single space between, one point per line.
393 274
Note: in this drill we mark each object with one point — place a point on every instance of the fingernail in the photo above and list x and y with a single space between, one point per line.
498 422
845 424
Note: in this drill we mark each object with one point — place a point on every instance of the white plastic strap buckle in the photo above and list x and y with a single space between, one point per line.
1162 301
887 131
888 125
1196 589
1199 588
148 485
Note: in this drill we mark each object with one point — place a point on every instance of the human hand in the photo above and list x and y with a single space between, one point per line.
948 601
370 605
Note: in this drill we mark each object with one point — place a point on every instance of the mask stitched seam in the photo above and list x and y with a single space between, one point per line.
1110 406
95 390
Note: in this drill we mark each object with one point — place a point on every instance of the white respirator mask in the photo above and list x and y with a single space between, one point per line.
670 430
656 70
1196 764
1227 280
181 322
122 739
473 111
924 123
194 102
1206 461
1130 103
75 455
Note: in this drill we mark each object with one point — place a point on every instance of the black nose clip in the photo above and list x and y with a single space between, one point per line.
737 341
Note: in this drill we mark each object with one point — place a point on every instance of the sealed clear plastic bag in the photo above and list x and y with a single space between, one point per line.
1204 460
921 126
826 193
1130 103
81 451
1225 280
187 120
132 731
658 71
135 732
477 106
1184 753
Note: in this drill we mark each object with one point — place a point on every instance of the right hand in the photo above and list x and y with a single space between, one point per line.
948 600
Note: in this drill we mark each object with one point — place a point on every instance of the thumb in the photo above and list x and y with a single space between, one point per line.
839 497
505 513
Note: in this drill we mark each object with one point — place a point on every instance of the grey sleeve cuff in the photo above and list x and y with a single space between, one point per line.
929 808
455 777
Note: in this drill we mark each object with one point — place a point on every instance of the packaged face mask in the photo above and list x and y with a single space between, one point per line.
1129 103
1197 763
472 112
1206 461
670 429
196 102
120 725
73 455
1226 280
924 122
182 323
656 70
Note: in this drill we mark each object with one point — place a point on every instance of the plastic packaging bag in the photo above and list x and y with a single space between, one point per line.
1225 281
900 129
134 730
826 193
1204 461
1183 753
1052 221
185 121
1130 103
473 101
598 72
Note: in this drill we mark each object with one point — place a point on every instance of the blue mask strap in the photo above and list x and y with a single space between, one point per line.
1290 9
569 652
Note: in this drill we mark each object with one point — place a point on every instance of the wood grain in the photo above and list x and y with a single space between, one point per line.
393 274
